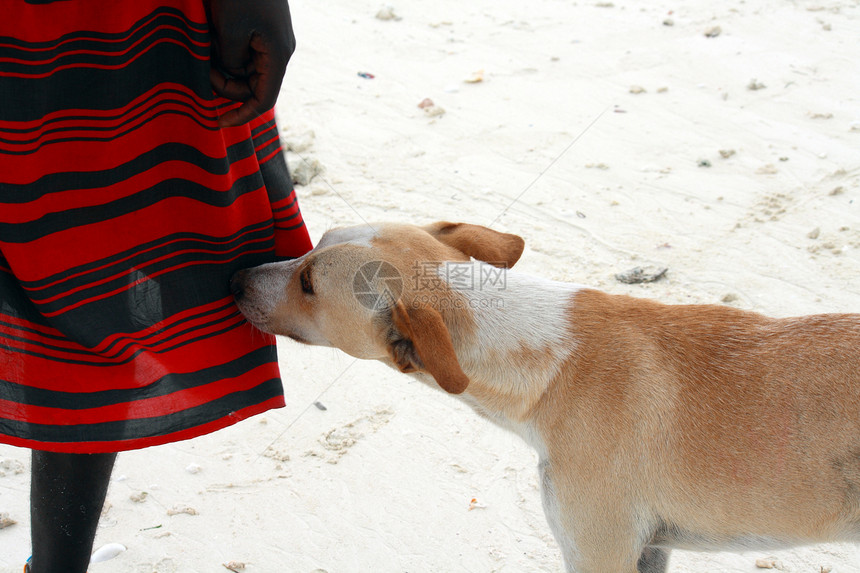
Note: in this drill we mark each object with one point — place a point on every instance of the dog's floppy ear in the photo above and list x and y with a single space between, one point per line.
481 243
426 346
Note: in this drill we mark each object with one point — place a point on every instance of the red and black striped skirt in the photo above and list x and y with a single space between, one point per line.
124 211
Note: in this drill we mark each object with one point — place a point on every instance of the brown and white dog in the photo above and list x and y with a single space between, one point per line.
657 426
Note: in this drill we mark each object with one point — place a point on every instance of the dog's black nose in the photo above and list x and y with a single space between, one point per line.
237 285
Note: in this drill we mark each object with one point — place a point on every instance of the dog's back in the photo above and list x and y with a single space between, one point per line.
724 428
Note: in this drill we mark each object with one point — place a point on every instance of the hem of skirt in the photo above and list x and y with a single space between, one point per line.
96 447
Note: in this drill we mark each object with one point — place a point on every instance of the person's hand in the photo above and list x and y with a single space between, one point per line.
252 42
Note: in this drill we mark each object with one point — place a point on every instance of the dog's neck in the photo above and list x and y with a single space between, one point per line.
521 339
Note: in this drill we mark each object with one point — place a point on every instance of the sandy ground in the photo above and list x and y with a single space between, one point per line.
719 140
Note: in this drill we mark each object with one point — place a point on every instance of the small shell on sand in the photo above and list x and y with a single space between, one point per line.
475 78
107 552
434 111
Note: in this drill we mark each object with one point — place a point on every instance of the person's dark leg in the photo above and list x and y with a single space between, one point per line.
67 492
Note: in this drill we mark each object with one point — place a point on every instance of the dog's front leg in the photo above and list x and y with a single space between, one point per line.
596 536
552 511
653 560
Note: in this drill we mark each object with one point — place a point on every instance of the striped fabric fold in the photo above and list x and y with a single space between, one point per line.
124 211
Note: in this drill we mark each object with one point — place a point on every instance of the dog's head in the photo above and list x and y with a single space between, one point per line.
375 292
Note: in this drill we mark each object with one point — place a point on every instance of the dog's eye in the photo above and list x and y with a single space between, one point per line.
305 279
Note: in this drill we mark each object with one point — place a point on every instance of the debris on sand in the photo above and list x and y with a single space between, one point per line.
179 509
6 521
755 85
430 108
387 13
638 275
302 169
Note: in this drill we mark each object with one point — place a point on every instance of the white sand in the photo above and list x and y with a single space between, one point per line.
383 479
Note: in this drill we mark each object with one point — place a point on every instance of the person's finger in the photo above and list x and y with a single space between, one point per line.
251 108
265 84
239 116
236 89
270 65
